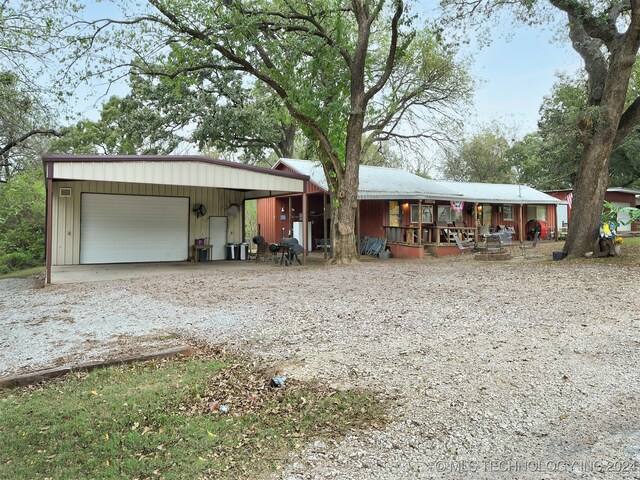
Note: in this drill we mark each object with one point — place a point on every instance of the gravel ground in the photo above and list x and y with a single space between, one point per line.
519 369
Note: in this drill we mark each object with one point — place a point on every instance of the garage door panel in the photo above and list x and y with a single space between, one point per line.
133 228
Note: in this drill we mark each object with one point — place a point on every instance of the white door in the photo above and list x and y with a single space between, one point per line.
563 216
297 233
133 228
217 237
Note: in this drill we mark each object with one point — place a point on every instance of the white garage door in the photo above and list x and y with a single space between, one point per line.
132 228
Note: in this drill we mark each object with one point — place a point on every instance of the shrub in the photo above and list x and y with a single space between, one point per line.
22 220
17 261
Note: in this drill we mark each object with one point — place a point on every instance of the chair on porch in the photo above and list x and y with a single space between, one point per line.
462 247
524 246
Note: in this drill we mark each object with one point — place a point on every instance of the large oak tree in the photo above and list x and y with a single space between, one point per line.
349 73
606 34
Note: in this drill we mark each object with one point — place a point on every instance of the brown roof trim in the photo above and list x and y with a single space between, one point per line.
51 159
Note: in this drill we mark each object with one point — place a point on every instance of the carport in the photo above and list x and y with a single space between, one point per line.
136 209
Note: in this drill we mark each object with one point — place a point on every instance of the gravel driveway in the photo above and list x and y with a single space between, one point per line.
494 370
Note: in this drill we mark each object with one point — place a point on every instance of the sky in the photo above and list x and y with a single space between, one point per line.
513 73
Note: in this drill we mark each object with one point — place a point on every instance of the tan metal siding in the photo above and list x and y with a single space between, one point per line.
66 212
172 173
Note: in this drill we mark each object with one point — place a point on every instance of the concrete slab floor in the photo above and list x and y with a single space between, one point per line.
95 273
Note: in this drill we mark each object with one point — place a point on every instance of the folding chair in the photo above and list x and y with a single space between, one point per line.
524 246
463 248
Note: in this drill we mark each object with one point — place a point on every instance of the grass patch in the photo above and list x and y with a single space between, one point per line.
161 419
29 272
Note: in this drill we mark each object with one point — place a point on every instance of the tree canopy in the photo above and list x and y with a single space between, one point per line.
349 74
481 158
607 37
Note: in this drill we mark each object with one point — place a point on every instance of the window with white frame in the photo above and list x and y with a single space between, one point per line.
427 213
446 214
507 212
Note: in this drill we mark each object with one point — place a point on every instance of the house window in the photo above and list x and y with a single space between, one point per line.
535 212
395 215
507 212
448 215
427 213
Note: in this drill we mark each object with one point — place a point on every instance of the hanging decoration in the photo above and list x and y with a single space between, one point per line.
457 206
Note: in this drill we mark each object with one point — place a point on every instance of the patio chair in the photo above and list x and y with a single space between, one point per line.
463 248
293 249
506 240
525 246
262 247
364 245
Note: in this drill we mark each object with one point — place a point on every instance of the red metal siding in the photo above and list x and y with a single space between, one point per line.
373 215
311 187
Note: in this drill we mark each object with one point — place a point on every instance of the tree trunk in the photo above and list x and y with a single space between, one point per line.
344 205
288 140
592 182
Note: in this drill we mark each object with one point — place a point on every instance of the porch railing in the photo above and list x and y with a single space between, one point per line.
430 234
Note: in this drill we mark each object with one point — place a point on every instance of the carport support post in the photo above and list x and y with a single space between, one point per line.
305 233
49 229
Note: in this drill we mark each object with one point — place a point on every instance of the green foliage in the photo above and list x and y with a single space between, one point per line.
611 213
127 126
22 220
548 159
482 158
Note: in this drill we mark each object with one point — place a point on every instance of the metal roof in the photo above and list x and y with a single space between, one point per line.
379 183
382 183
500 193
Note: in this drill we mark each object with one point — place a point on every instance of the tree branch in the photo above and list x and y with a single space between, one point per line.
391 56
602 28
24 137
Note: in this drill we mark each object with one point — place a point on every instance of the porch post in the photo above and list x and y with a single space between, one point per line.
324 223
305 220
290 219
521 222
419 223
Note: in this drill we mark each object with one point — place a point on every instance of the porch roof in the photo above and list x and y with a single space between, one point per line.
379 183
499 193
383 183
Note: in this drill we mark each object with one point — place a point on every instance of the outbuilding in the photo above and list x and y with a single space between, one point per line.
131 209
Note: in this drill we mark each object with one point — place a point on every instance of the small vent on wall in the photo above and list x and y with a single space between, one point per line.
65 192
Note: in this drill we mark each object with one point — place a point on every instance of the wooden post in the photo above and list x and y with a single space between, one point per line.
419 222
305 233
290 219
324 223
521 222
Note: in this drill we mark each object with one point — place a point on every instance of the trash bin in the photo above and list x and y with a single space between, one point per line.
202 255
231 250
244 251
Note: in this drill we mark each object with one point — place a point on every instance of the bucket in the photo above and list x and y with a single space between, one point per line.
558 256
